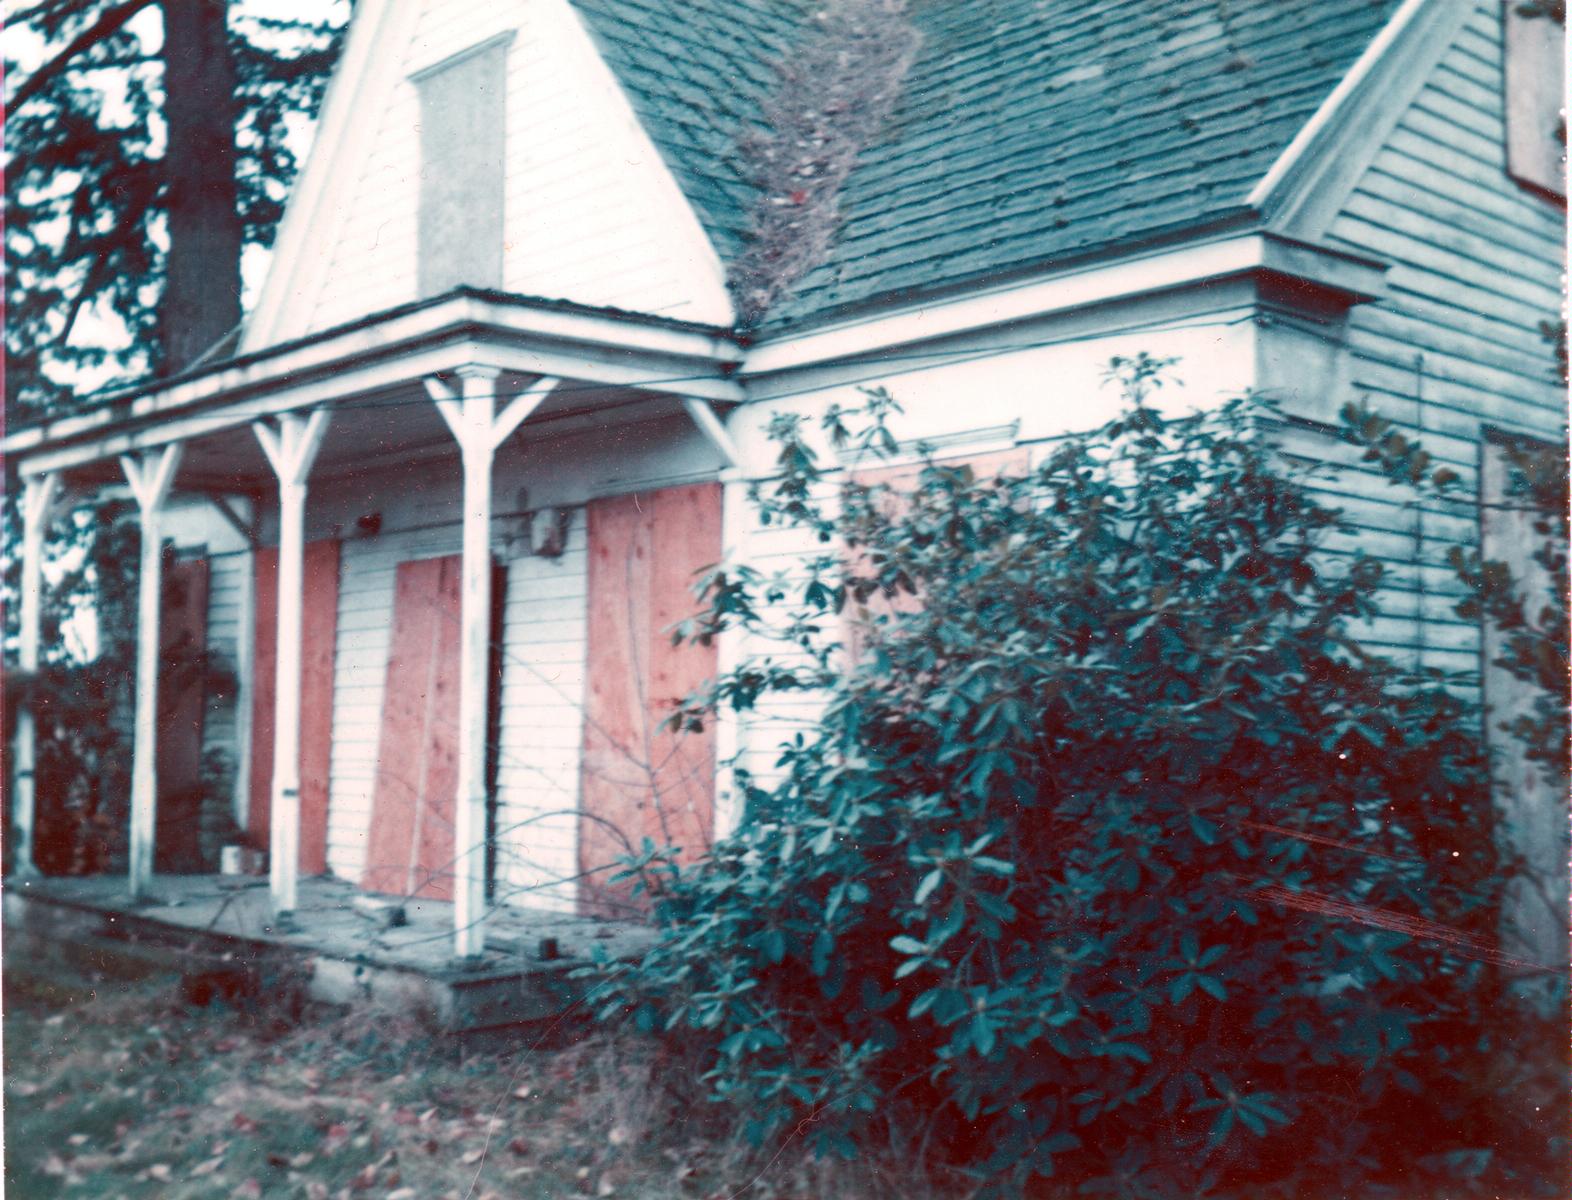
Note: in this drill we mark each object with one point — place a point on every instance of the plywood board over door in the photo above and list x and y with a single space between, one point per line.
638 779
410 848
1532 809
318 631
182 636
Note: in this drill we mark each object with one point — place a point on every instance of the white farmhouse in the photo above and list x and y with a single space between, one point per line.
496 405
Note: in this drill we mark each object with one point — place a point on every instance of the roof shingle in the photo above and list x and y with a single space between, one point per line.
1030 131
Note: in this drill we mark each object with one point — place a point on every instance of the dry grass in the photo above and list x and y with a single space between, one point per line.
116 1090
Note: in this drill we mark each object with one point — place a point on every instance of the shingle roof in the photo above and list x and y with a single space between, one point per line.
1031 131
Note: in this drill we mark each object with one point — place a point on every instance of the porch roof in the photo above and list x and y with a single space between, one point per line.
371 370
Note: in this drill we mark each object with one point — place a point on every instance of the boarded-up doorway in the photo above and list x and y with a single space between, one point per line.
1530 808
410 847
318 630
639 780
182 701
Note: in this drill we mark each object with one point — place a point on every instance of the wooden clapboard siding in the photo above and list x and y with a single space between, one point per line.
776 549
410 847
591 212
541 727
318 637
1455 345
182 701
638 780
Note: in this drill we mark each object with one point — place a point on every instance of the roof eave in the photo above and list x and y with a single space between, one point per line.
514 333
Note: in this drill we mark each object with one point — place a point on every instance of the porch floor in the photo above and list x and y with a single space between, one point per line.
344 953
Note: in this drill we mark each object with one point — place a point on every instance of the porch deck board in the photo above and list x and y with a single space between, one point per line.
345 953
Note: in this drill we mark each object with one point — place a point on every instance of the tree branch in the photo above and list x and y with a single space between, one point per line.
102 261
106 25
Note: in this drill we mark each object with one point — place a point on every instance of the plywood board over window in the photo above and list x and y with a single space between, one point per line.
463 112
640 779
1534 78
861 620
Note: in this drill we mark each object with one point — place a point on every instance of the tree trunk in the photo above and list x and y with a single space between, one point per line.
202 282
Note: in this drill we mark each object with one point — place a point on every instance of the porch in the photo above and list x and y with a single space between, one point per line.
389 711
220 934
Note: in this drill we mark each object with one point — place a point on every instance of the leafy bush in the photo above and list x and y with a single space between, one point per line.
1112 858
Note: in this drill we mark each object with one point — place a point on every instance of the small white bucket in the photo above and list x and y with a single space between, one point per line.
230 860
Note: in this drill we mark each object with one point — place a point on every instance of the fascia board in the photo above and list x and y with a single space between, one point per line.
313 214
1357 278
1310 181
370 357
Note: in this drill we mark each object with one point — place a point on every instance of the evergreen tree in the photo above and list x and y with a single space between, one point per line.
151 144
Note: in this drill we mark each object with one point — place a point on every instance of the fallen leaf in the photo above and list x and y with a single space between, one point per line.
161 1172
471 1157
244 1123
522 1093
519 1146
249 1190
23 1088
618 1136
302 1159
207 1167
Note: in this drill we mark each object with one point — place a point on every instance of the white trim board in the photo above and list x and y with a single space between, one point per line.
1079 287
1311 180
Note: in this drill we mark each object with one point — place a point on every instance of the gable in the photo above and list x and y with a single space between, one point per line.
587 210
1476 259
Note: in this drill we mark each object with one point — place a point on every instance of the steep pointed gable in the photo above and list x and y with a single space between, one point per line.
589 210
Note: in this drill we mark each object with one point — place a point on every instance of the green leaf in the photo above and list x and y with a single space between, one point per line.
1206 831
1220 1129
993 866
930 881
982 1033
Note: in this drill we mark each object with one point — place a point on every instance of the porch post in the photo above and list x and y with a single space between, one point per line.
291 446
479 429
150 475
734 512
38 494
